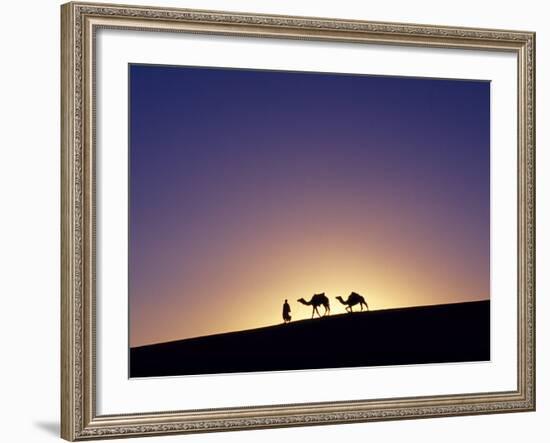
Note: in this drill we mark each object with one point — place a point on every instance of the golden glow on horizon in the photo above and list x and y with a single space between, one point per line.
253 283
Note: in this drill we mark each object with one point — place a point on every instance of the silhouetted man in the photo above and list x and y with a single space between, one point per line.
286 312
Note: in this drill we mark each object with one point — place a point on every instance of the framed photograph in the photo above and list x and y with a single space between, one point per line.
283 221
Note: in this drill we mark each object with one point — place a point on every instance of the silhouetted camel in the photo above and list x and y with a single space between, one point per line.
316 301
353 299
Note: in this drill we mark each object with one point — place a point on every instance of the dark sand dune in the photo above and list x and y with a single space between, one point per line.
431 334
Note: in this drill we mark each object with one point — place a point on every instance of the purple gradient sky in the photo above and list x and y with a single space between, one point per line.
249 187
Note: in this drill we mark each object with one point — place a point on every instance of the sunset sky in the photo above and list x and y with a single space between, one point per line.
248 187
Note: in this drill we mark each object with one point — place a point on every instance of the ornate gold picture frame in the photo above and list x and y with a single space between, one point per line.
79 389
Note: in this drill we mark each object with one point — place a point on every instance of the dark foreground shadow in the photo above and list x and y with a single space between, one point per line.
428 334
49 427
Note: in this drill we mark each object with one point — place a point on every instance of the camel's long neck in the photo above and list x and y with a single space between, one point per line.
341 300
304 302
